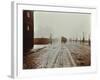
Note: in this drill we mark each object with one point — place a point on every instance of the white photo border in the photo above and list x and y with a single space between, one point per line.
17 30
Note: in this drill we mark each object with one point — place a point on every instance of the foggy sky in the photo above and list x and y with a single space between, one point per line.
70 25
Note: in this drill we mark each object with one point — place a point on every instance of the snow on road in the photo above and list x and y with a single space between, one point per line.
59 54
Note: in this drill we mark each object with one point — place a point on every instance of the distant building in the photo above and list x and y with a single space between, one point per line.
40 41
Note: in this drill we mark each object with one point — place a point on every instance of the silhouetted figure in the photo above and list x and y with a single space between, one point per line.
63 39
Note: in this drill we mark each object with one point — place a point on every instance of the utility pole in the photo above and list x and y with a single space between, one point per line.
89 41
83 40
50 39
80 40
76 39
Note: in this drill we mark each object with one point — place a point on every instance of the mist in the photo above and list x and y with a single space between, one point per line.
69 25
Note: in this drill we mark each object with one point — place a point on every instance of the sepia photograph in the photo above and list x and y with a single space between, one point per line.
53 39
